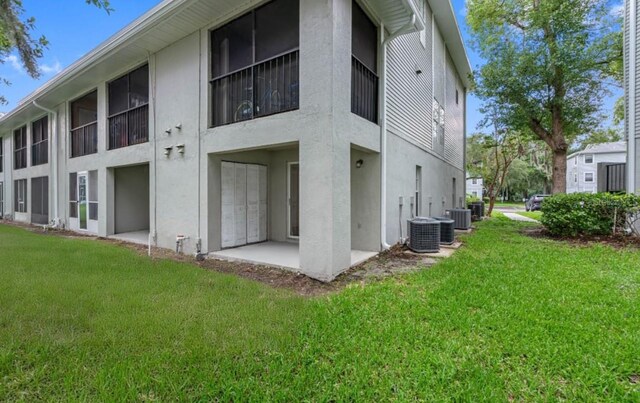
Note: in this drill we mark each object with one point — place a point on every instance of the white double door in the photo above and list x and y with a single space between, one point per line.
244 204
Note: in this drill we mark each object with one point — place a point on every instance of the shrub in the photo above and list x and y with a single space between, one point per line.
587 214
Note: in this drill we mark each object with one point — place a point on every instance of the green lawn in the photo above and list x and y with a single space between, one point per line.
508 317
536 215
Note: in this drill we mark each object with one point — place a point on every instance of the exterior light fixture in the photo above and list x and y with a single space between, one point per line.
359 163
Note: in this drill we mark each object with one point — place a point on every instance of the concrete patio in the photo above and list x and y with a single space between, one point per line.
277 254
139 237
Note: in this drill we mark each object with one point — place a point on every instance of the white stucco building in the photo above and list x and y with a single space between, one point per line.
297 133
475 187
582 166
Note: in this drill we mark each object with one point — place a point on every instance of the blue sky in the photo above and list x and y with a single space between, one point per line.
74 28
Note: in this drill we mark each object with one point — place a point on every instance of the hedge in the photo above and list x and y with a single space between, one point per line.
587 214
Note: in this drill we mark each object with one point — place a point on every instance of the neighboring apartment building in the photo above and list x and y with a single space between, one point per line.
318 126
632 94
582 166
475 187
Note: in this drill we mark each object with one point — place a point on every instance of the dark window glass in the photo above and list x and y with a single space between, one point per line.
119 95
20 148
139 87
73 195
277 28
40 141
1 159
84 110
232 46
364 38
40 200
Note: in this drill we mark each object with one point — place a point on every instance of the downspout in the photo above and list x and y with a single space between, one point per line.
383 128
54 160
631 119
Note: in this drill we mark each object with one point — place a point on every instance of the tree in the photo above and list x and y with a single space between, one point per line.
491 155
548 66
15 35
598 136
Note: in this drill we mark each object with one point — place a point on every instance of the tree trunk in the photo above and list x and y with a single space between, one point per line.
559 176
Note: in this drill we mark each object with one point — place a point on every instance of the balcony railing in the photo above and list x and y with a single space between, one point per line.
364 91
129 127
84 140
265 88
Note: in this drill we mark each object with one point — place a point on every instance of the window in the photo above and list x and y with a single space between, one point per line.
457 97
474 181
364 60
1 156
437 141
575 160
84 125
20 196
254 64
73 195
20 148
129 109
1 199
474 194
575 178
588 158
40 141
588 176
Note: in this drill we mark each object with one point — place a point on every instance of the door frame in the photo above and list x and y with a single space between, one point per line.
86 196
289 165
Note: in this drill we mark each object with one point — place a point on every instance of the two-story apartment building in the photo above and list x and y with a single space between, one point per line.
297 133
582 166
475 187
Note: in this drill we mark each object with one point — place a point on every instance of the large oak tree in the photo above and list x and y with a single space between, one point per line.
549 65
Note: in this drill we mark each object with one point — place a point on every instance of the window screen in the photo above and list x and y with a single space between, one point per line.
364 38
84 110
232 46
277 28
20 196
73 195
129 91
39 141
20 148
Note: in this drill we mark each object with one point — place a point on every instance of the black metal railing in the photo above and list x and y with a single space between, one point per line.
265 88
129 127
84 140
364 91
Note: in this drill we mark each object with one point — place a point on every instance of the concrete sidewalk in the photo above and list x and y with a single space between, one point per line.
518 217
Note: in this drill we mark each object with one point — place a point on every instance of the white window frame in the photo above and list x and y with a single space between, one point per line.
289 165
585 158
592 177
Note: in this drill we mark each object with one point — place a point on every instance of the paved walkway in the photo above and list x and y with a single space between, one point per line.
518 217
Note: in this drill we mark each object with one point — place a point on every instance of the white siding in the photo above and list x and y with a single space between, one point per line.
454 120
409 94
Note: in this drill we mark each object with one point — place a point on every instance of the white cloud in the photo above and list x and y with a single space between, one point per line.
54 68
14 61
617 10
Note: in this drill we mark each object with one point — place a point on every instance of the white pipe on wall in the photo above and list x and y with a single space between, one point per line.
54 159
383 127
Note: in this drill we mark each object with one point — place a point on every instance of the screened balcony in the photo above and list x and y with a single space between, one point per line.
263 89
129 109
255 64
84 125
364 59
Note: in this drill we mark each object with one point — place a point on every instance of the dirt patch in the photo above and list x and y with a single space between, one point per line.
395 261
618 241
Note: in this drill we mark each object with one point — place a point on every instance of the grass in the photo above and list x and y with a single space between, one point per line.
536 215
509 204
507 317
